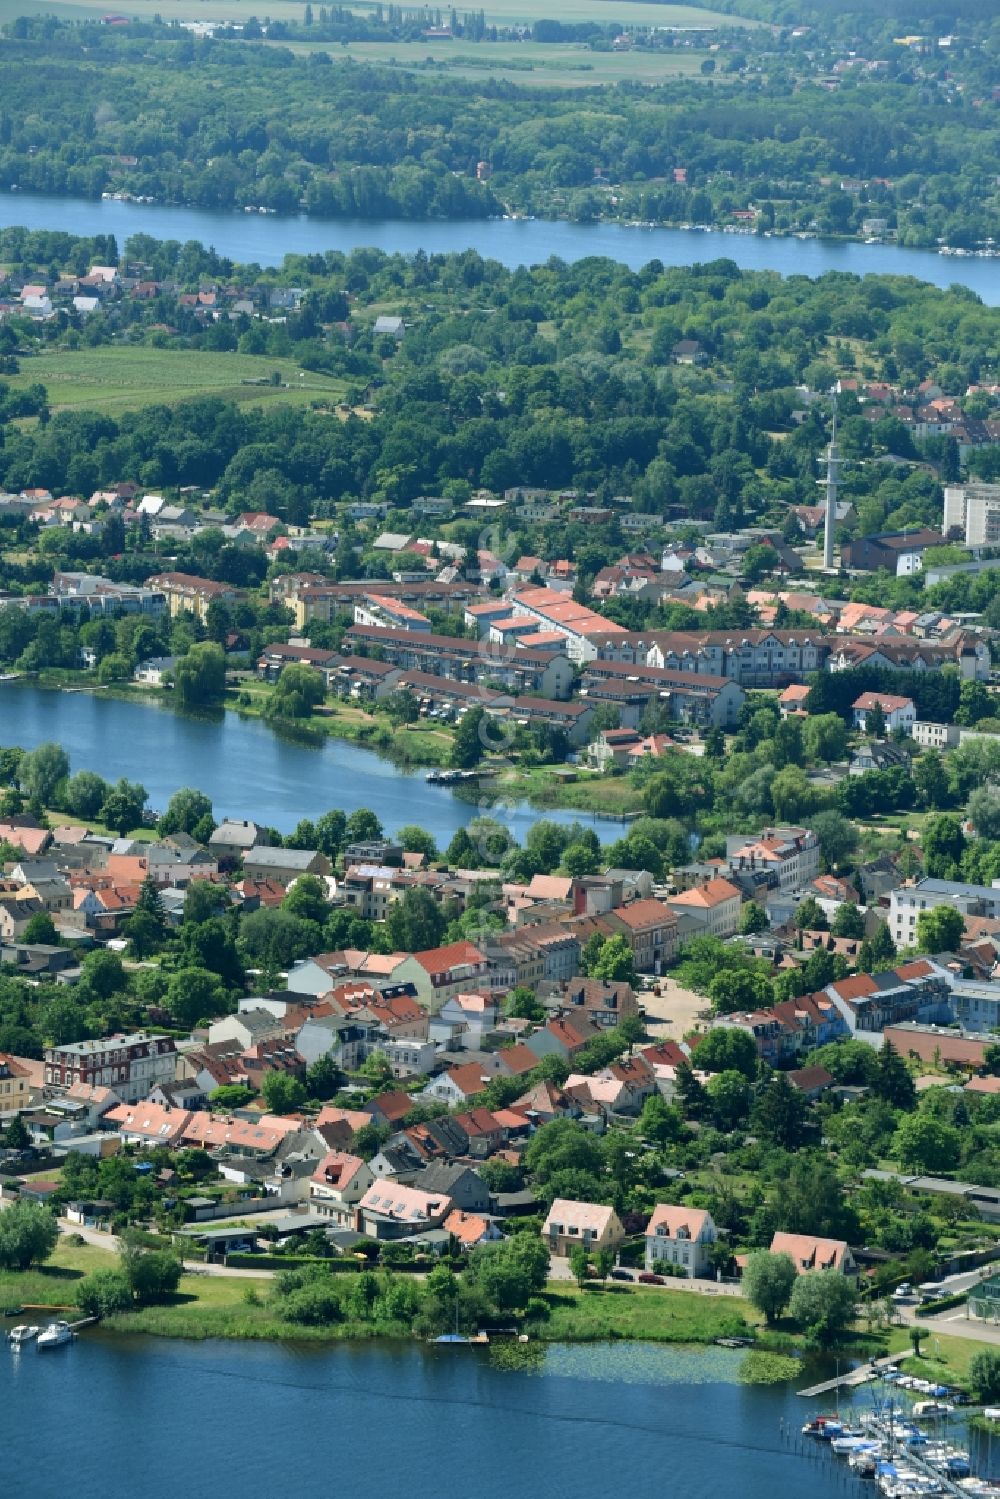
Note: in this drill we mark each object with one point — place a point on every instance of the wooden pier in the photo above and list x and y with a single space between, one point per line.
854 1377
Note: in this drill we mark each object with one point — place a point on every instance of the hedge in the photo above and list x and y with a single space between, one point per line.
942 1304
240 1261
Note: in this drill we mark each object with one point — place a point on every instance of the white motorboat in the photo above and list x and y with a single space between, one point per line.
55 1335
22 1333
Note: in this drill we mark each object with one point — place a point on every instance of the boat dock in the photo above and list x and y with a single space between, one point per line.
854 1377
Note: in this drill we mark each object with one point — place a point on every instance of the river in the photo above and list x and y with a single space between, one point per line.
267 239
247 768
137 1418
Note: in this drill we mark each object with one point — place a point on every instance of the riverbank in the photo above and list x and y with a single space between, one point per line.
266 240
236 1307
410 747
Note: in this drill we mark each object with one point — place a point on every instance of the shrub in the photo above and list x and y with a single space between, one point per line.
103 1292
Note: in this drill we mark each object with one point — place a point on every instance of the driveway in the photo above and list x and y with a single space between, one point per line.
102 1240
559 1270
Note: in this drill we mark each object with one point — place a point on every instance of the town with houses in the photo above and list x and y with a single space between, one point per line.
776 958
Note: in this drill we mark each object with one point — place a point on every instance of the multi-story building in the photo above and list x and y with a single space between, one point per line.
130 1064
390 613
680 1236
692 697
977 1006
898 552
791 855
186 593
753 658
972 511
545 674
939 736
715 904
579 625
15 1086
897 712
907 901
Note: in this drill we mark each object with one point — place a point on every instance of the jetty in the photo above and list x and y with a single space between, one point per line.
854 1377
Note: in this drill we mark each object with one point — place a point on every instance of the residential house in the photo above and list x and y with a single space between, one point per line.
461 1083
233 840
389 1108
284 864
899 712
563 1036
809 1253
15 1086
570 1223
391 1210
470 1229
473 1015
148 1124
636 1079
337 1186
715 904
464 1186
605 1002
680 1236
440 973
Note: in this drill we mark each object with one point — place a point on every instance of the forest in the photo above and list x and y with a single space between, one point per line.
152 111
558 376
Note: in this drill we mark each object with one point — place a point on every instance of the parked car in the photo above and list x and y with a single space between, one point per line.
650 1278
621 1275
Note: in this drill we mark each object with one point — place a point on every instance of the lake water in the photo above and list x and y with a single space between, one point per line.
138 1418
246 767
267 239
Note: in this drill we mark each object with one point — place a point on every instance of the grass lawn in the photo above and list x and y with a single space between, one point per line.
660 1316
114 379
420 743
614 795
943 1360
53 1284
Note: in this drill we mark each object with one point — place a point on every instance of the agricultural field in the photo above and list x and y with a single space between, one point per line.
529 64
502 12
113 379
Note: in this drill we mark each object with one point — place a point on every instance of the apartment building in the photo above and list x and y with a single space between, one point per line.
907 901
540 673
579 625
973 512
186 593
130 1064
691 697
788 855
391 614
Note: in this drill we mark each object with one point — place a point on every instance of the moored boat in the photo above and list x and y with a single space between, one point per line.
55 1335
22 1333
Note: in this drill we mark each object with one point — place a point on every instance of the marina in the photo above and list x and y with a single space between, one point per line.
890 1445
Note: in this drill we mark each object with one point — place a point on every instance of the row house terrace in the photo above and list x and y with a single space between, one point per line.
546 673
754 658
692 697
